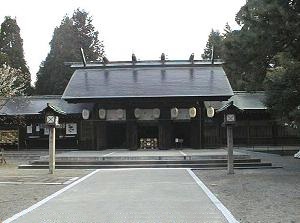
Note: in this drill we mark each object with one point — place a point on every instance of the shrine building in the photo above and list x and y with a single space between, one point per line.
158 104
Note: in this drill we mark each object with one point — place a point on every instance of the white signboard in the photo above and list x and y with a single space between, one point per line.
71 128
116 114
46 131
147 114
29 129
183 114
37 128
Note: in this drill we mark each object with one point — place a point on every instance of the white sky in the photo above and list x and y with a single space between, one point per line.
145 27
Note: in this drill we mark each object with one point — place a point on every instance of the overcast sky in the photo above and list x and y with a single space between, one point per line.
146 28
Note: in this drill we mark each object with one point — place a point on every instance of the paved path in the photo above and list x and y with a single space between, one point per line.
134 195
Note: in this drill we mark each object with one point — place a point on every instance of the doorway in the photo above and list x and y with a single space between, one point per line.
116 135
148 136
182 132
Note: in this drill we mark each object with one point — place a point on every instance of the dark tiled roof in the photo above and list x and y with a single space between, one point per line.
249 101
206 80
34 104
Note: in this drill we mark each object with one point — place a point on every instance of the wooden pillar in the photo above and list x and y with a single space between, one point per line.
131 135
195 134
201 126
164 134
168 134
161 140
51 150
248 132
274 133
101 135
230 160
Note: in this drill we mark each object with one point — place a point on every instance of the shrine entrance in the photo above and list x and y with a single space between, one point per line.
148 136
116 135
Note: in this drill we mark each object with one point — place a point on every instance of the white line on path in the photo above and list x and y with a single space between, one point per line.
71 180
182 153
109 154
29 183
227 214
40 203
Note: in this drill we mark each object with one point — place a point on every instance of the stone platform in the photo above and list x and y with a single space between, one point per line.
111 159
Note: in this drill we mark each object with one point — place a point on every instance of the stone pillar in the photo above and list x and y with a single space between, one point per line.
51 150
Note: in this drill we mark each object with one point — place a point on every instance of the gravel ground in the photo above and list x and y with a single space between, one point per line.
259 195
34 185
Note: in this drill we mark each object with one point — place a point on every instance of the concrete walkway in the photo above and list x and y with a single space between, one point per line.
130 195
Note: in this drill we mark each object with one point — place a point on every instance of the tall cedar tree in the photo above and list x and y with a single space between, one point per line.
265 54
267 27
283 78
72 34
214 42
11 50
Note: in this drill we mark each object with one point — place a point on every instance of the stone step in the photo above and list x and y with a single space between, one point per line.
23 157
179 165
188 157
131 162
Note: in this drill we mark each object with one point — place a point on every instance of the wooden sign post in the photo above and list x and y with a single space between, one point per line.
51 150
51 123
51 114
230 157
229 121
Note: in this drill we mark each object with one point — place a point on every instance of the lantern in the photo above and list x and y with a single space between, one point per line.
51 119
230 119
156 112
174 113
102 113
120 113
210 112
85 114
192 112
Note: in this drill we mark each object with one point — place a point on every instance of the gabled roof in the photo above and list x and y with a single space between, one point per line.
249 101
242 100
229 106
54 109
149 81
32 105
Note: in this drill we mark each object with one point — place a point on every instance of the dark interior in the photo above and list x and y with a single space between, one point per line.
146 131
116 135
182 130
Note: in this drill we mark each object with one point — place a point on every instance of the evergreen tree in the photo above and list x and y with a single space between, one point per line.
72 34
283 89
4 59
267 28
11 48
214 43
265 53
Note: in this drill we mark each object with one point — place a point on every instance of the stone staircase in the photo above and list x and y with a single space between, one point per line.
194 162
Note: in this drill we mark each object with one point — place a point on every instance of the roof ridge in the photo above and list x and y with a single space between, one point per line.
247 92
34 97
